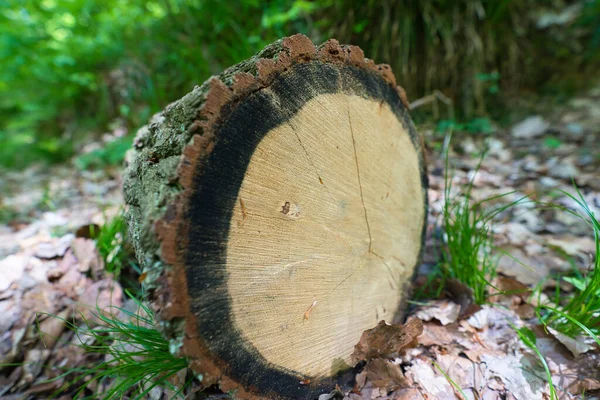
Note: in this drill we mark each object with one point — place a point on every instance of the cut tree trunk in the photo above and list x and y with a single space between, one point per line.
278 212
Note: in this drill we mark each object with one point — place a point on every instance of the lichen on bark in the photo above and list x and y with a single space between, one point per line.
151 181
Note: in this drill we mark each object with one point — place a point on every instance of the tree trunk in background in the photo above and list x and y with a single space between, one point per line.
278 211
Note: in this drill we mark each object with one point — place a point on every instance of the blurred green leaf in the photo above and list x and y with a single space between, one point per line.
552 143
71 67
112 154
528 334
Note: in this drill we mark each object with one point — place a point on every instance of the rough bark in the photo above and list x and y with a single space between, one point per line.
170 153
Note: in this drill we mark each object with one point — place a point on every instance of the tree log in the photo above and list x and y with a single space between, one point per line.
278 211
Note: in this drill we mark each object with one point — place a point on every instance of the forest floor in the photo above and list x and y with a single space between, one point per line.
50 265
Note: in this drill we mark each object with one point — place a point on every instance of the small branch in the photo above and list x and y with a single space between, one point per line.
436 95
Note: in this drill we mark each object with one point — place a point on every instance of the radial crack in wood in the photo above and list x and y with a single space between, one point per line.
281 216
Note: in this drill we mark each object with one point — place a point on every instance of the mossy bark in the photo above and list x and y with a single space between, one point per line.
159 181
151 181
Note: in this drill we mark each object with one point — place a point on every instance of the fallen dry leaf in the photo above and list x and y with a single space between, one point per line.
52 327
44 299
436 334
32 365
87 231
102 296
385 340
86 253
407 394
12 269
577 346
464 372
583 386
508 287
444 311
62 267
573 245
512 371
423 374
54 248
73 283
384 374
463 296
10 310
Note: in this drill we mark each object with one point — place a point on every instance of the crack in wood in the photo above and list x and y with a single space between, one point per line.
396 281
244 213
310 160
362 199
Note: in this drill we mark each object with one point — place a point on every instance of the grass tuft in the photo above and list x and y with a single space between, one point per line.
111 243
579 313
136 357
468 240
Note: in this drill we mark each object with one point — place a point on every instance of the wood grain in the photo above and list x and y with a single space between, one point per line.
333 215
289 223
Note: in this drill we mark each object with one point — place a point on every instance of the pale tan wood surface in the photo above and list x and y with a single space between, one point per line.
325 232
277 211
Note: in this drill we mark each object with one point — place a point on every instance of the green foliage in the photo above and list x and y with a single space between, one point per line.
70 67
276 16
453 45
111 243
473 126
134 354
580 313
7 214
468 241
552 143
590 19
112 154
492 79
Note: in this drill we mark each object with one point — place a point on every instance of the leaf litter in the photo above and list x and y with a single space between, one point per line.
447 349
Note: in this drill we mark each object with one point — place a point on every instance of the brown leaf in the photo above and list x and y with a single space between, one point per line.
361 381
385 340
42 299
45 386
72 283
463 295
33 364
86 253
573 245
62 267
52 327
12 269
583 386
511 291
407 394
435 334
525 311
384 374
